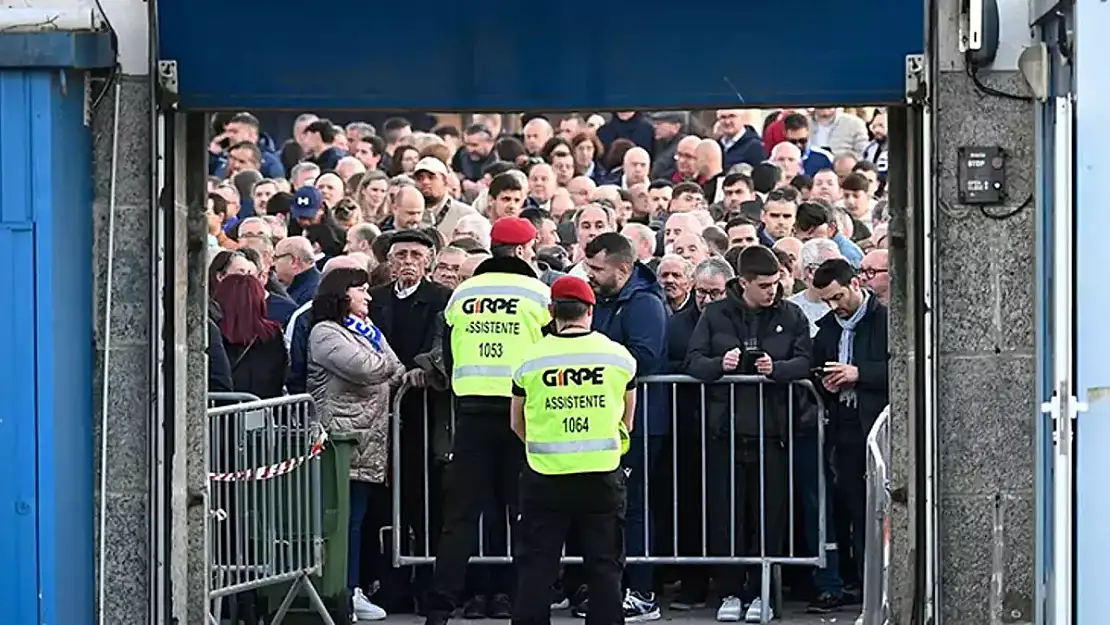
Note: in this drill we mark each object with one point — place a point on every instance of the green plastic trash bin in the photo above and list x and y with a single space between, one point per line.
335 478
335 498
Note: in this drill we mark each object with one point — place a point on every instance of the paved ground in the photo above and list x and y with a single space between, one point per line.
795 615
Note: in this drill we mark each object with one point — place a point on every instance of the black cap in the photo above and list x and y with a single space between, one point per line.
412 236
669 117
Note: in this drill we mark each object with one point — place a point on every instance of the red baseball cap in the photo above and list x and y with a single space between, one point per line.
573 288
512 231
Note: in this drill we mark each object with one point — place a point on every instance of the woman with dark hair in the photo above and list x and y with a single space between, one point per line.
254 344
587 149
404 160
613 162
351 372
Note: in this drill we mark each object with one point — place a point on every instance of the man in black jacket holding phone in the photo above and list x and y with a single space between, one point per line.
752 331
850 357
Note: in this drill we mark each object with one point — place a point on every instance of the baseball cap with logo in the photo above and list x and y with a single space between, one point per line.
306 203
431 165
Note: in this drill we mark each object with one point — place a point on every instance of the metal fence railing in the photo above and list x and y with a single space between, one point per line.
876 564
265 498
783 455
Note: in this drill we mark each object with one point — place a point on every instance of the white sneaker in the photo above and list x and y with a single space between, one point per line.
730 610
364 609
755 611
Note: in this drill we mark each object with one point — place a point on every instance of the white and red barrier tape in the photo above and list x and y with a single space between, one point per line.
274 470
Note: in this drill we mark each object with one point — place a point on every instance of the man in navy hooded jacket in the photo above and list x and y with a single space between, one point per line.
243 127
632 311
628 125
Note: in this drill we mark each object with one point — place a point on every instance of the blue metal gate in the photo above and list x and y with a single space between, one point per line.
46 321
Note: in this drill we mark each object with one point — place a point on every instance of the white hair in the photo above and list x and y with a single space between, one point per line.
817 251
687 266
704 217
481 228
714 266
350 161
642 233
303 166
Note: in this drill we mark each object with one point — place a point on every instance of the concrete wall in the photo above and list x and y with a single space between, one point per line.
985 352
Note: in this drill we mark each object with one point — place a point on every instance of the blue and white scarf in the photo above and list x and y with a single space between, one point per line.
365 329
847 338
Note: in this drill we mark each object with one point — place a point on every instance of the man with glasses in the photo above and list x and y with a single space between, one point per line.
875 274
686 159
710 278
814 158
295 268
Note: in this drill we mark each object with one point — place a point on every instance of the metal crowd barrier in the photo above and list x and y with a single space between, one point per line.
264 484
767 556
218 399
876 563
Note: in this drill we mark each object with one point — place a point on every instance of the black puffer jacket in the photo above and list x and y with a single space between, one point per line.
219 367
781 330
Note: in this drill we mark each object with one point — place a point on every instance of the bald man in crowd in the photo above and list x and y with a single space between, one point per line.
710 170
295 268
789 159
692 247
580 189
686 159
466 269
677 225
360 236
636 167
541 183
537 132
408 210
874 272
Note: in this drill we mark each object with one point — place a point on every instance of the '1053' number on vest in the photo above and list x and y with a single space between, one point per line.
576 425
491 350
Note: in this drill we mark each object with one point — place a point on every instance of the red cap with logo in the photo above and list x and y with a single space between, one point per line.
573 288
512 231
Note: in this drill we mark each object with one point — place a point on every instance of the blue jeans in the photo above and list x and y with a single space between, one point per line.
364 498
826 580
637 528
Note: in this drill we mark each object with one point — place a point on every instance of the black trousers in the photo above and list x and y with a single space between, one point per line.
746 509
850 459
587 508
485 467
695 579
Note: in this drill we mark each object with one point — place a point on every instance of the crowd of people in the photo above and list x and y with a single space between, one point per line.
754 246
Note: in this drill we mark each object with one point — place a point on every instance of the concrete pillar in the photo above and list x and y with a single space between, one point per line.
984 347
132 408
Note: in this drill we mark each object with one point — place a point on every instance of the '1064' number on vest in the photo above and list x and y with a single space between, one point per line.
576 425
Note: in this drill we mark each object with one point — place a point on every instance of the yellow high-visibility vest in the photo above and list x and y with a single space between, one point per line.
574 390
495 319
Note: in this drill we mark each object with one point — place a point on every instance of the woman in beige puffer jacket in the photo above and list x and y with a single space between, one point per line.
351 373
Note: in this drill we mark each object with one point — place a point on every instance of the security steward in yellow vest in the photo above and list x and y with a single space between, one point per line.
574 398
494 320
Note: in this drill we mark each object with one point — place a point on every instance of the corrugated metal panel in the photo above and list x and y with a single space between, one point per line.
18 531
18 441
46 316
511 55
